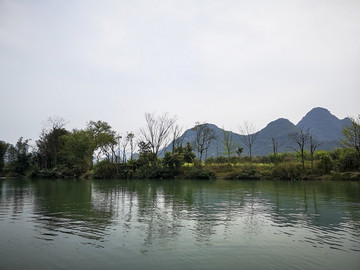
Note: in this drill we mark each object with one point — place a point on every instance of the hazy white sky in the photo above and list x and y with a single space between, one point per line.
218 61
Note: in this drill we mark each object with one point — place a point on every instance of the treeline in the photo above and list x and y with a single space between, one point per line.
99 151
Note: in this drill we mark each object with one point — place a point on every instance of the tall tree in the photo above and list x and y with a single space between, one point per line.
351 134
300 139
204 135
229 145
275 145
189 155
19 157
248 136
176 137
103 136
130 138
157 131
77 151
49 143
3 148
314 143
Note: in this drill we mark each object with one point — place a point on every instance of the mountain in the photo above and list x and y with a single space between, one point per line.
322 125
280 129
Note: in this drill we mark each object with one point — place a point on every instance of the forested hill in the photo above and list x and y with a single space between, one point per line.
322 125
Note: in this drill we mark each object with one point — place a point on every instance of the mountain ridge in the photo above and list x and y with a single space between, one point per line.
322 125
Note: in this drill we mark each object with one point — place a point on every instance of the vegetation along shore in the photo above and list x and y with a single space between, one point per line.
161 150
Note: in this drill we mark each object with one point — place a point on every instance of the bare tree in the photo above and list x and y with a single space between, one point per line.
54 122
248 136
229 145
275 145
176 137
130 137
204 135
124 144
300 138
157 130
314 143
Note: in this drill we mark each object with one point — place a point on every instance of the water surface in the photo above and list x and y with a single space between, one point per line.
62 224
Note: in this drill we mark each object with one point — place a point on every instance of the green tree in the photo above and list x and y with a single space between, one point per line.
3 148
239 151
173 162
189 155
351 134
103 136
19 157
77 151
49 143
146 155
48 147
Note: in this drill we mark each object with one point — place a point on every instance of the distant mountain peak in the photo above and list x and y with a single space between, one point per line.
322 124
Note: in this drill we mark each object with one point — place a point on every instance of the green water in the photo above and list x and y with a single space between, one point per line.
58 224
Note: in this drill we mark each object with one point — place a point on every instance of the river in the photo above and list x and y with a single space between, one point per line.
179 224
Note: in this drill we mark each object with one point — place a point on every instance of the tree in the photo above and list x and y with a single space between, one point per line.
49 144
189 155
275 145
239 151
146 155
176 137
314 143
103 136
77 151
229 145
19 157
248 136
130 138
300 139
204 135
351 134
157 131
3 148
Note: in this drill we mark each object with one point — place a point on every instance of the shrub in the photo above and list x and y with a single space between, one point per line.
245 172
349 160
287 171
199 173
325 163
105 169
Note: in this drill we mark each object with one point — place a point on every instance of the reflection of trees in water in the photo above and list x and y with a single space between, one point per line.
13 197
65 207
162 211
163 206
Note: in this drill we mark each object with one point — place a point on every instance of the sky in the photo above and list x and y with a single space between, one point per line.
222 62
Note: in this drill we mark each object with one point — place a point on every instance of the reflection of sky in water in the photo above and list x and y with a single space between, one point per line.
185 217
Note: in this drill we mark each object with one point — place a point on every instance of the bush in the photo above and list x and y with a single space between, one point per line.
324 163
198 173
287 171
245 172
105 170
349 160
149 172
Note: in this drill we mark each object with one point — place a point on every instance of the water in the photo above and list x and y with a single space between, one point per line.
58 224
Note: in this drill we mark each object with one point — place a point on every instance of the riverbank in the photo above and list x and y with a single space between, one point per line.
225 171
